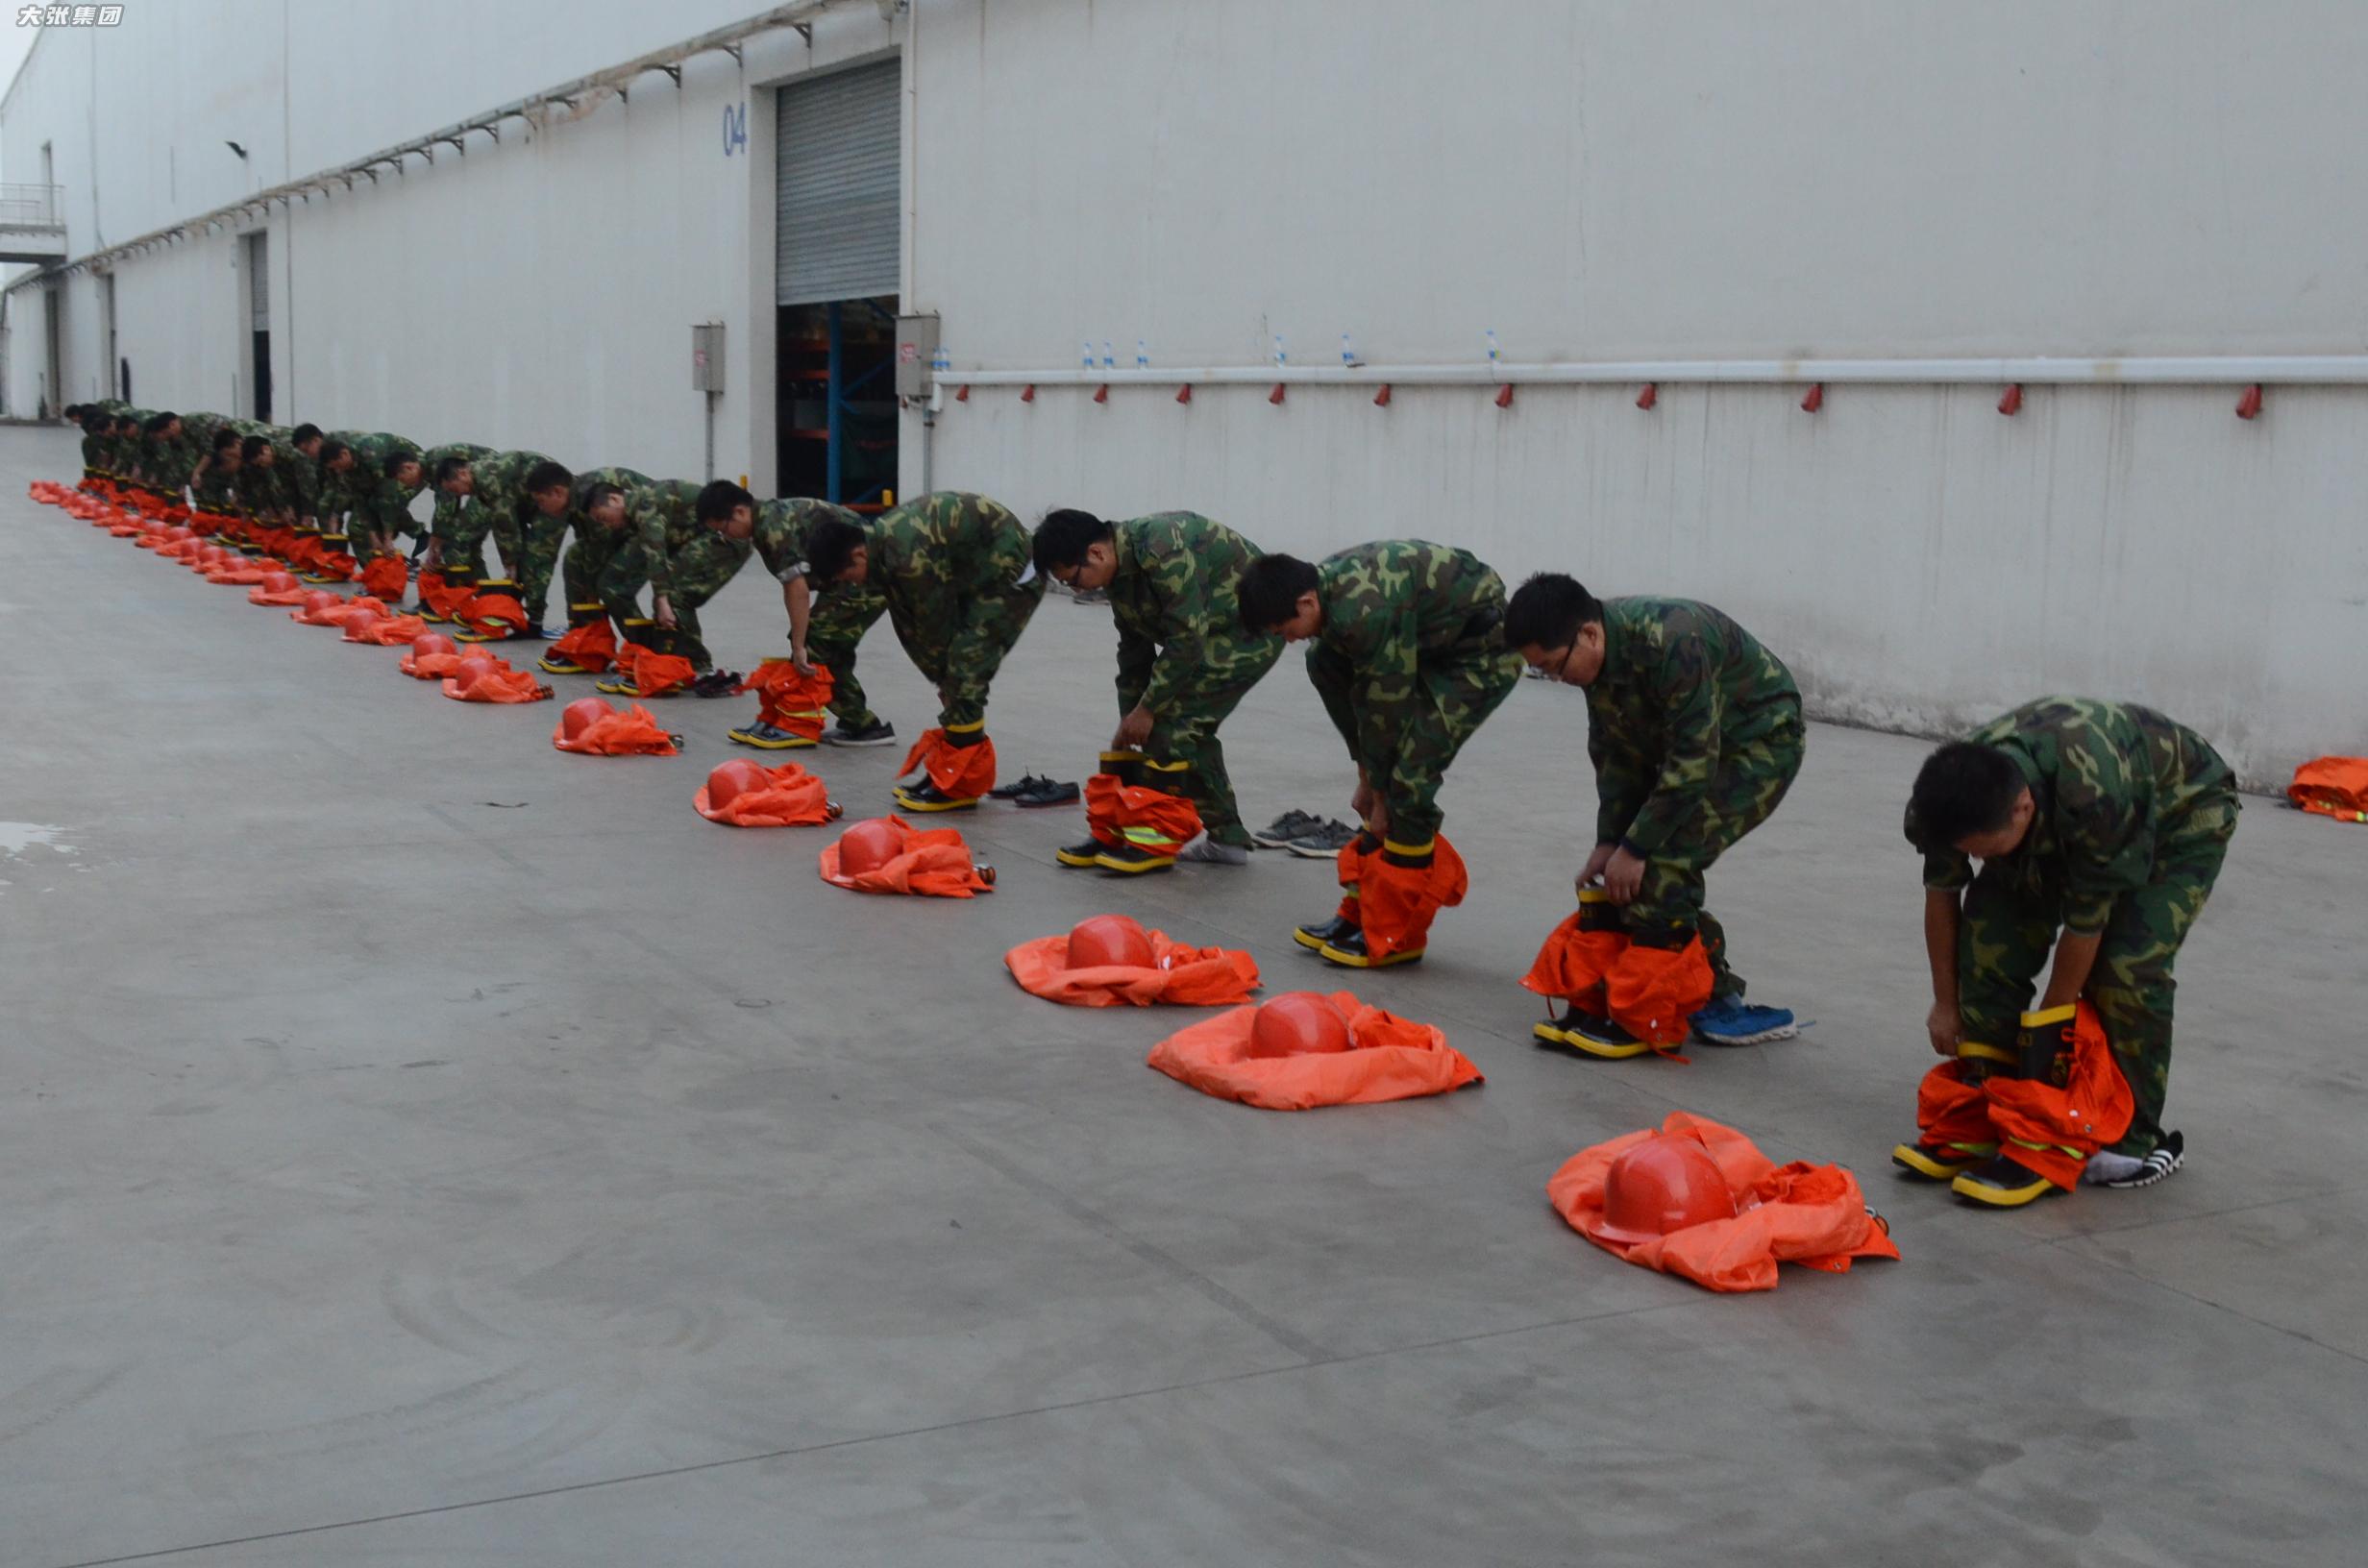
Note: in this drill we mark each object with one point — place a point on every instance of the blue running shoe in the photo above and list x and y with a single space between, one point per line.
1731 1021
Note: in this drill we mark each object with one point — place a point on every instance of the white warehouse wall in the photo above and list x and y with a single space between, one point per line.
1591 179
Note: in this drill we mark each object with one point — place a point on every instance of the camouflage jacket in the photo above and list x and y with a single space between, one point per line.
663 518
367 490
501 479
1680 683
2113 783
1173 596
445 507
598 546
942 542
782 527
1386 607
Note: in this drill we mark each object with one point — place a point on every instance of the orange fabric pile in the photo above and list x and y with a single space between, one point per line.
787 698
1178 975
385 576
930 862
652 672
385 631
2335 787
592 646
1395 905
1794 1213
1119 814
1389 1057
783 796
634 733
430 666
334 615
964 771
499 685
2055 1128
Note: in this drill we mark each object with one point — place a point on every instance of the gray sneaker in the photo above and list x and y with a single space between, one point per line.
1201 847
1279 834
1323 842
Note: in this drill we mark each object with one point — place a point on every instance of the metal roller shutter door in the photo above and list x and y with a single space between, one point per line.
836 228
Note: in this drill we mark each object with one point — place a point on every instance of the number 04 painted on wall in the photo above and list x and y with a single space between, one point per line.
736 128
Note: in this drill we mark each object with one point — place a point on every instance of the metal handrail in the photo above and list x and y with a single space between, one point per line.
30 206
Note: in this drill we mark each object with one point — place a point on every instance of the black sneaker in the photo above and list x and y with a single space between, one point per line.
1046 792
1316 934
1323 842
1013 791
878 732
715 683
1279 833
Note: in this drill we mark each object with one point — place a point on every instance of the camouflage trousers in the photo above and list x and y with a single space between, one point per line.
958 639
2008 931
700 571
1668 910
1186 730
531 554
1454 692
835 623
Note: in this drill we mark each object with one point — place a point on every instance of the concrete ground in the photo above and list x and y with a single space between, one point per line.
421 1146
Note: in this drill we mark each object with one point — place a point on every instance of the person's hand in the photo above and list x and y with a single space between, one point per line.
803 666
1622 875
1941 1024
1364 801
434 560
1133 731
662 611
1596 863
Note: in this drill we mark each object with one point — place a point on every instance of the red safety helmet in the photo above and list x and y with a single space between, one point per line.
1662 1186
360 614
425 643
1102 940
1298 1024
177 534
868 845
319 600
279 582
473 668
576 717
729 780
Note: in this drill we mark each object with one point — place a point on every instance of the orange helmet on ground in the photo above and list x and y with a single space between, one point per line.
1663 1185
576 718
279 582
425 643
319 600
176 534
364 614
1298 1024
729 780
868 845
473 668
1100 940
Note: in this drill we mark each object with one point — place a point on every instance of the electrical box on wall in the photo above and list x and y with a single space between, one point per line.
915 354
708 356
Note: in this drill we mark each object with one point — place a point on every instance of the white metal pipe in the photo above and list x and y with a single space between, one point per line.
2197 371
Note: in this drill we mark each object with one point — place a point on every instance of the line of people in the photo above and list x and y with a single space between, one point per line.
2099 827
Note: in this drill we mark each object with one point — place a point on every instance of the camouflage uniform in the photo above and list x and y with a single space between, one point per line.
1182 652
366 494
2134 813
839 613
589 558
445 509
685 560
1410 658
953 571
1695 732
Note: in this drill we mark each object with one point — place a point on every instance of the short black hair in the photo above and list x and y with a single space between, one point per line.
546 473
597 494
156 422
447 467
1269 590
1963 788
75 412
331 451
717 498
831 545
226 437
1549 611
303 434
254 447
1065 535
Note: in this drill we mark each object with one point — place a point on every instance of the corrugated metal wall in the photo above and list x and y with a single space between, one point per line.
835 233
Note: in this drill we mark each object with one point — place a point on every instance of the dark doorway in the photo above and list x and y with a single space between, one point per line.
837 402
258 320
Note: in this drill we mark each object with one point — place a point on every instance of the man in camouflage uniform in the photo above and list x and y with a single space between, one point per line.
1694 729
685 540
596 515
1185 663
263 493
447 468
2101 827
825 625
1408 652
952 572
369 480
